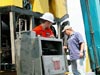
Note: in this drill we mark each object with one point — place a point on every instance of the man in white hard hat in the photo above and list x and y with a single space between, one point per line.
75 45
44 28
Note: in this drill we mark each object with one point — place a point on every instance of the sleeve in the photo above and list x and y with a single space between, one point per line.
80 38
36 30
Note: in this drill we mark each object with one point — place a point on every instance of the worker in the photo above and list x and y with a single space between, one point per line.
44 29
75 45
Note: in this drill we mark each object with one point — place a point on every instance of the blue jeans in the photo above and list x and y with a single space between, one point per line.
78 67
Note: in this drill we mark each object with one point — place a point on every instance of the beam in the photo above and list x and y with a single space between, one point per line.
0 41
12 33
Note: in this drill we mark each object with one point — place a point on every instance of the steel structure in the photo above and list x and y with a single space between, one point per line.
91 17
39 56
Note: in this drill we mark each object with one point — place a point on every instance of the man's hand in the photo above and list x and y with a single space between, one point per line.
81 54
64 47
51 36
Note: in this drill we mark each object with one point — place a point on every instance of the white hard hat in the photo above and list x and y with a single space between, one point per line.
66 27
48 16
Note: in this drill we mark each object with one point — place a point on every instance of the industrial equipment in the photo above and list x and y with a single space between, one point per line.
23 15
12 19
39 56
91 17
19 17
18 3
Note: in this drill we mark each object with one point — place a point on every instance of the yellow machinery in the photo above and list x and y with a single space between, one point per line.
11 3
57 7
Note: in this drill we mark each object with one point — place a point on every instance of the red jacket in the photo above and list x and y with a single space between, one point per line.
44 33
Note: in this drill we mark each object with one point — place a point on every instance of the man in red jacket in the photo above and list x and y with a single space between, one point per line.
44 29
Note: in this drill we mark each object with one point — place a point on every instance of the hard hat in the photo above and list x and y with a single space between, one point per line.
66 27
48 16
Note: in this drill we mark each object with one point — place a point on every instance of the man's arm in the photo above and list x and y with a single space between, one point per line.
81 49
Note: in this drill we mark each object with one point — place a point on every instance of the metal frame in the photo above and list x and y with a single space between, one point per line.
12 10
59 22
0 41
